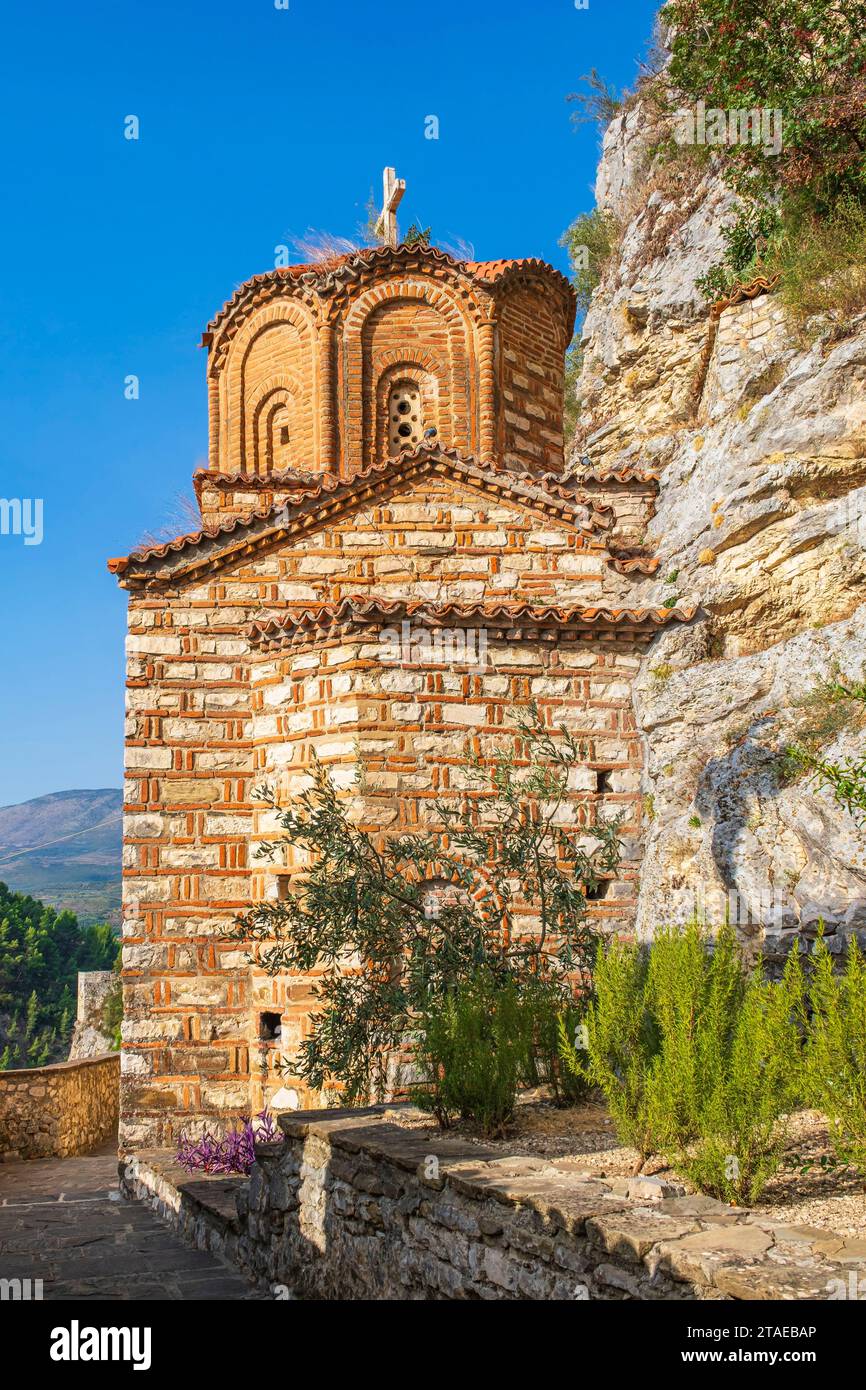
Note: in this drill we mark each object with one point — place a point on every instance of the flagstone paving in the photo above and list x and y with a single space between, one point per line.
63 1221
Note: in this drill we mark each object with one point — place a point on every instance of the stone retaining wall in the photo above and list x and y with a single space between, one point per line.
352 1206
61 1110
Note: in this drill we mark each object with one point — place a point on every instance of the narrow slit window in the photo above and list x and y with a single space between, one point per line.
282 887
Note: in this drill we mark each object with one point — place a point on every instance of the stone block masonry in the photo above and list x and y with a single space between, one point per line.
61 1110
237 679
355 1206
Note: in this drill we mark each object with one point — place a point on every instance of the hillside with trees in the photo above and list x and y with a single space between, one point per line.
41 953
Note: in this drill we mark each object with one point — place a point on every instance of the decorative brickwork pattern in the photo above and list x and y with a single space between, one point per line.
302 359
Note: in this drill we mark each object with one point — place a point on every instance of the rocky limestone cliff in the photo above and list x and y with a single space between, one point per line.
760 443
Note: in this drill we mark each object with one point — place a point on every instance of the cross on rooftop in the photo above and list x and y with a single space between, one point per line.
392 191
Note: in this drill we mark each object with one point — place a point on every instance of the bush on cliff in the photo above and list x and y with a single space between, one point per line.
798 68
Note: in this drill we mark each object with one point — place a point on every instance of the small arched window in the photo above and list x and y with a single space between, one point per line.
273 421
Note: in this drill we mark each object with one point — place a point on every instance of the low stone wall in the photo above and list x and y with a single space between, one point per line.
352 1206
58 1111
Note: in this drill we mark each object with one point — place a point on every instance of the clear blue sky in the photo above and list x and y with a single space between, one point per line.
255 123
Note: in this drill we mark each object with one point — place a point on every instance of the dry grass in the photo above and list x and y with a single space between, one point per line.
823 266
182 518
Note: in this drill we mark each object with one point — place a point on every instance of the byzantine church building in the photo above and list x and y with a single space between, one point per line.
391 557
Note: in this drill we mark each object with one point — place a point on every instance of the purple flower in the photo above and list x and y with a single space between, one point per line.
234 1152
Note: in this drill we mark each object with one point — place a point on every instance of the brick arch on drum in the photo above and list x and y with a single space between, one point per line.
280 393
398 321
275 349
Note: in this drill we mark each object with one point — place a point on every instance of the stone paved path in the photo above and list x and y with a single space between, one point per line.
63 1221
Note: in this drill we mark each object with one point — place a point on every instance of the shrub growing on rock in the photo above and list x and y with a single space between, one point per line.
841 704
801 196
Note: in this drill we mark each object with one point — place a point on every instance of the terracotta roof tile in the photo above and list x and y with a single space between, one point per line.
328 273
287 480
617 475
635 560
355 611
491 270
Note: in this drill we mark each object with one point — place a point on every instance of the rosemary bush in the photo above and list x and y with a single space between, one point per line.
698 1059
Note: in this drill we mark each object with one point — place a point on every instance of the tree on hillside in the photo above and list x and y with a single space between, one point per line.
41 953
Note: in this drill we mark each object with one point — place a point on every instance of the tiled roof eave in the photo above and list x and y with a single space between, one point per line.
610 476
327 276
304 623
287 480
313 504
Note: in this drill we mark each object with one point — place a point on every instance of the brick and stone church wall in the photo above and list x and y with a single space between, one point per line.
403 724
532 381
186 826
205 721
302 511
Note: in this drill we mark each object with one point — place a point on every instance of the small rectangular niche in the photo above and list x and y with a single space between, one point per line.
599 892
270 1026
602 780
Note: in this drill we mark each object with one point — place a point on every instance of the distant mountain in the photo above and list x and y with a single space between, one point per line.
65 850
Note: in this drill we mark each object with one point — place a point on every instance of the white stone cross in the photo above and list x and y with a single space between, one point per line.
392 191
